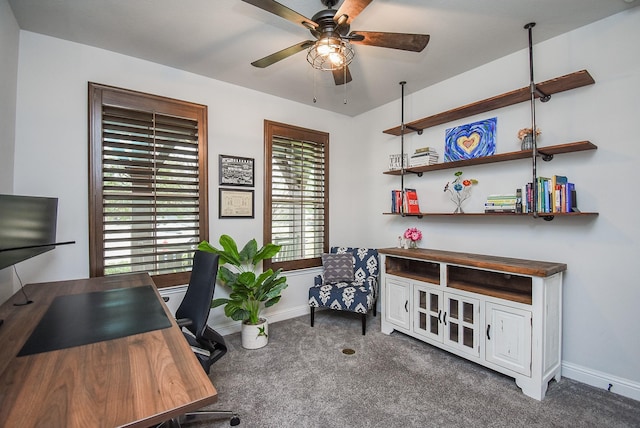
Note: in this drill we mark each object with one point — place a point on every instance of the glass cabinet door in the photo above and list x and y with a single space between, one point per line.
428 312
461 323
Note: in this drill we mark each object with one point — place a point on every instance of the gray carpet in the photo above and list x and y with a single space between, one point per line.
303 379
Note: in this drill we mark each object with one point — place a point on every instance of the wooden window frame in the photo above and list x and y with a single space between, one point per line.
272 129
103 95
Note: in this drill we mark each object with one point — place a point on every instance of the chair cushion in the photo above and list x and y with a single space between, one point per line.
337 267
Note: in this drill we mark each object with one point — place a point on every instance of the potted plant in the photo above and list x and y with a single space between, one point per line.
250 291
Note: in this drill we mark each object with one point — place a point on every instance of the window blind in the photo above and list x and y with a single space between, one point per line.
150 191
149 184
297 198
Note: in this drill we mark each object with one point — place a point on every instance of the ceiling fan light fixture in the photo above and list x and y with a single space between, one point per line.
330 53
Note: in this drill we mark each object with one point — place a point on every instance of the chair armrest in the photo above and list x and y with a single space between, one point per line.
183 322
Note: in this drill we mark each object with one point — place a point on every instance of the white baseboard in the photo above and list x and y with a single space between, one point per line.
615 384
273 316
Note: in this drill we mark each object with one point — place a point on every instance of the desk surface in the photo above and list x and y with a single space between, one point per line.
137 380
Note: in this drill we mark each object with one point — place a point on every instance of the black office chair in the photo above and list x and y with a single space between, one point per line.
192 315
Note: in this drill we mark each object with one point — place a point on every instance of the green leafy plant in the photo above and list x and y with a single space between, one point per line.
250 291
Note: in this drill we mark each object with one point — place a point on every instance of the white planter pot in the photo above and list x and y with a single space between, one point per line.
255 336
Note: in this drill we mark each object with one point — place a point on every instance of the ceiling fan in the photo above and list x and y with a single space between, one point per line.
332 48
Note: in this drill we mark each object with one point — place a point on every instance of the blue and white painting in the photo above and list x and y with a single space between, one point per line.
472 140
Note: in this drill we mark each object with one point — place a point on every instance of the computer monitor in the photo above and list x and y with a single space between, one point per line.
27 227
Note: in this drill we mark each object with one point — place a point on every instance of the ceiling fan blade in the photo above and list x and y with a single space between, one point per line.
339 75
280 55
283 12
351 8
403 41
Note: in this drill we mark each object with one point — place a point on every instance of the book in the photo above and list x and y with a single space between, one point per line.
411 205
571 202
506 201
500 210
424 149
559 184
499 207
396 201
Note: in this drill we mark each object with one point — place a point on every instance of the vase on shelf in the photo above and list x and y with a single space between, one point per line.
413 245
458 200
527 142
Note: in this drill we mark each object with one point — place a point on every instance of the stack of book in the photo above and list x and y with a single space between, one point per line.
501 204
405 202
423 156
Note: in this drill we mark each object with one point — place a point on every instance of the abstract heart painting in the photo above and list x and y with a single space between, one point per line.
472 140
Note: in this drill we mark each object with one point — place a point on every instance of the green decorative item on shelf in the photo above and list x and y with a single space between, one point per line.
459 190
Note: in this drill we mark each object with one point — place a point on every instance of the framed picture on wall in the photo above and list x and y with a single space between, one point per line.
236 171
235 203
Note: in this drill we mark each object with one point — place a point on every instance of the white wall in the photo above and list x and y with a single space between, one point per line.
52 150
601 343
600 334
9 37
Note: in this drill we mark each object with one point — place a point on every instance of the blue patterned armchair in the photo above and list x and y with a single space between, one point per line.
347 283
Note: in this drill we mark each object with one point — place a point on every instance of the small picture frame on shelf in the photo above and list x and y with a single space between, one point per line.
236 171
235 203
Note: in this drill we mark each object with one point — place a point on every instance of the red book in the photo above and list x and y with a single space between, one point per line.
411 202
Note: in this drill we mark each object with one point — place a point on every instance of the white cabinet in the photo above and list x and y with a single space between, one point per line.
462 323
500 312
398 298
428 312
508 337
448 318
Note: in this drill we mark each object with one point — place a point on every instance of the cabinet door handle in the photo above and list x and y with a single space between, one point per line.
406 303
439 314
444 318
488 329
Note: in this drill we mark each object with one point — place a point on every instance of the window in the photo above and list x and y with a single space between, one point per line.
148 205
296 195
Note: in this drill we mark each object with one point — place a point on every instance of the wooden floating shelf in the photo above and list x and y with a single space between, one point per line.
549 87
580 214
503 157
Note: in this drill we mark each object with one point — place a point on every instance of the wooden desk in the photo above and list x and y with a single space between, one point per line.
133 381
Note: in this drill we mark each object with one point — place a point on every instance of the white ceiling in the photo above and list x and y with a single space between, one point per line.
220 38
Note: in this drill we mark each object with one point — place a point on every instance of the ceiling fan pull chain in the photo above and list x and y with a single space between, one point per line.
344 71
314 87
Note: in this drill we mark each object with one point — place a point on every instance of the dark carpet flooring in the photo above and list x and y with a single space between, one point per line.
302 378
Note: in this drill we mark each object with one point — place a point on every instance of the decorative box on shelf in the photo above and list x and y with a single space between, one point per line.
395 164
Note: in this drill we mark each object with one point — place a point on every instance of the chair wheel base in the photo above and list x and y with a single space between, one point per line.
235 420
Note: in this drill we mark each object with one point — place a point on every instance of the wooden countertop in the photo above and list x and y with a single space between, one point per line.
135 381
503 264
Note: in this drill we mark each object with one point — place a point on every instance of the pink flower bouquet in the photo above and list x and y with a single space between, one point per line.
413 234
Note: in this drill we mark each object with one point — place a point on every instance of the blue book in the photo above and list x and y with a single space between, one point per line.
571 198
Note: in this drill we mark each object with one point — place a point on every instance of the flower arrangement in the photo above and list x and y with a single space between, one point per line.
413 235
525 136
527 131
459 190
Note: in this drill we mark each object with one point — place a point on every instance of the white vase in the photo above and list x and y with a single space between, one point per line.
255 336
